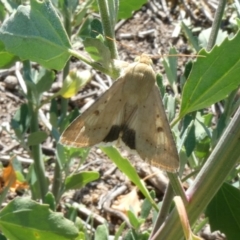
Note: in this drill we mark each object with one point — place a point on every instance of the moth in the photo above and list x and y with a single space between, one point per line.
130 111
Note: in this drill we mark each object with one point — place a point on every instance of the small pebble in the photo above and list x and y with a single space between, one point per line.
10 82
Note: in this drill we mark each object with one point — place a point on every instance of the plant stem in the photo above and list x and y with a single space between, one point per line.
177 186
95 65
166 204
57 180
175 121
39 167
108 11
216 169
35 149
216 24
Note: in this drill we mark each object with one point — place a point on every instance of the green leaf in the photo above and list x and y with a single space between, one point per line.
203 137
187 70
54 114
192 39
96 28
126 7
37 34
147 206
60 155
213 77
23 217
170 66
134 220
45 80
120 231
6 59
204 36
161 87
21 120
33 182
80 14
101 233
36 138
50 200
68 119
86 30
2 12
10 5
170 107
81 236
79 180
124 165
224 212
98 51
190 141
2 237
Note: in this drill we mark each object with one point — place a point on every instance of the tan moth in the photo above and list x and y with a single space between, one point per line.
131 110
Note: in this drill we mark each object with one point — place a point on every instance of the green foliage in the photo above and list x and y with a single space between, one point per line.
23 217
6 59
79 180
36 138
209 83
21 120
125 166
98 51
42 32
101 233
36 33
126 7
224 212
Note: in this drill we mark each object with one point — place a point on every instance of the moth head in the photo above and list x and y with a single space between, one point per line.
144 58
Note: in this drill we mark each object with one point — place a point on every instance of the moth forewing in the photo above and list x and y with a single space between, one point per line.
93 125
132 111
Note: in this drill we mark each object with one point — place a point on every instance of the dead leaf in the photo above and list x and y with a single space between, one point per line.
9 178
125 202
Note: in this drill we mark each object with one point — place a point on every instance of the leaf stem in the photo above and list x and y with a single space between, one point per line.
164 211
108 12
216 24
57 180
95 65
35 149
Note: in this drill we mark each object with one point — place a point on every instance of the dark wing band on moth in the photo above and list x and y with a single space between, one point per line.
126 134
113 134
129 137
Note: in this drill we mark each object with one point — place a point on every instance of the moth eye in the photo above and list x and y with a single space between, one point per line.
158 116
120 100
96 112
159 129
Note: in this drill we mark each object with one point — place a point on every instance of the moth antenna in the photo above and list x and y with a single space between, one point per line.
150 55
